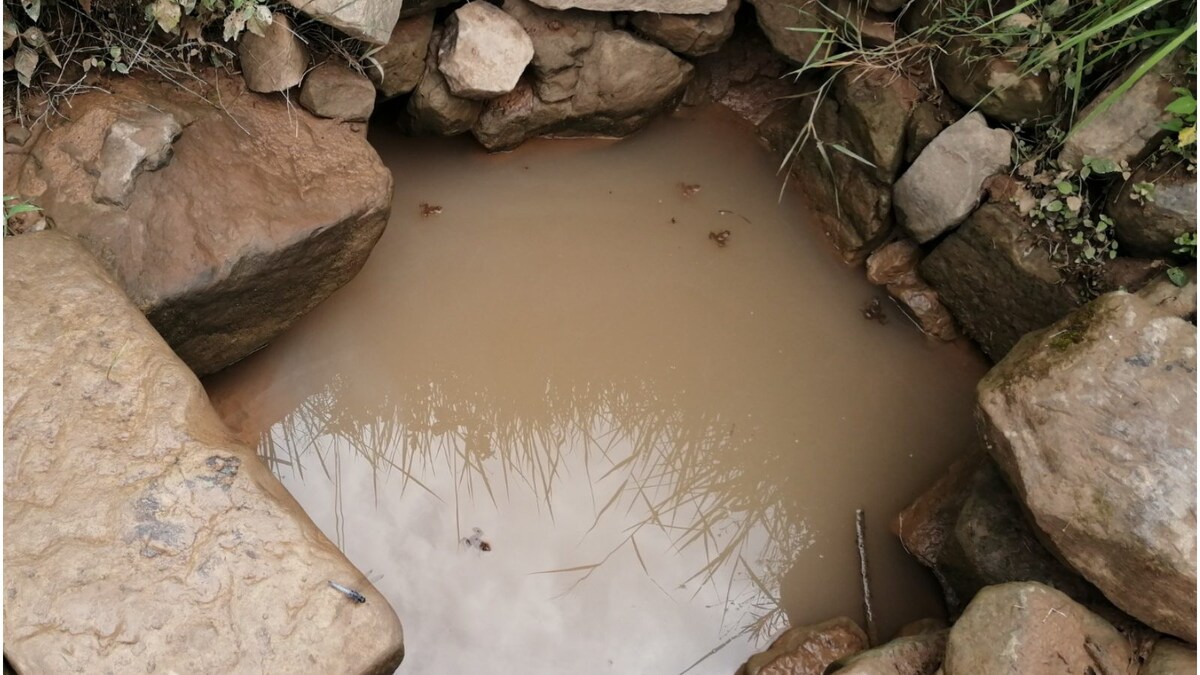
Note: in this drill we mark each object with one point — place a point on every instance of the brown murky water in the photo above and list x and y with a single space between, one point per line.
663 440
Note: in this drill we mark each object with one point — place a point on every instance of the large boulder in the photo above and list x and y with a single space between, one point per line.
663 6
993 84
402 60
1031 628
1093 421
1129 127
688 34
560 39
1149 224
261 213
792 28
368 20
433 109
138 535
997 280
622 82
808 650
945 184
335 91
483 51
274 61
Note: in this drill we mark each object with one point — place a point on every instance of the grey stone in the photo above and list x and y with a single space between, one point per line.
560 38
1128 128
944 185
993 84
132 145
997 280
622 81
1093 422
777 18
402 60
432 108
1032 628
483 51
332 90
276 61
1149 227
664 6
688 34
368 20
139 536
1171 299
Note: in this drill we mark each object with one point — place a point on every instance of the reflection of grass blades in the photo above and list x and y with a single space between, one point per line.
661 455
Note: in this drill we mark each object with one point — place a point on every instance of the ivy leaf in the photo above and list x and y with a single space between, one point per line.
1177 276
1187 136
1065 187
166 14
1182 106
25 64
33 8
1074 203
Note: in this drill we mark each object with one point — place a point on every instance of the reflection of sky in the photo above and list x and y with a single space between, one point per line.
461 605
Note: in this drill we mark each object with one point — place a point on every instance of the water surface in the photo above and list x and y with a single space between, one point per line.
662 440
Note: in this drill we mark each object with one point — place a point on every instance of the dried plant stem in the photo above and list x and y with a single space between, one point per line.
860 528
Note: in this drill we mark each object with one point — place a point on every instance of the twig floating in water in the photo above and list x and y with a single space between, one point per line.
860 527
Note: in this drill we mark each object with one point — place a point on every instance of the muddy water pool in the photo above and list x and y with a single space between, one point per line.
662 440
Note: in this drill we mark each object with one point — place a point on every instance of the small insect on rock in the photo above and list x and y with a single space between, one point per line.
348 592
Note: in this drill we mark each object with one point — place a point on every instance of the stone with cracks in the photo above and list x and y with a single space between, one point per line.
276 61
1093 422
368 20
993 84
919 654
402 60
483 51
560 40
1031 628
263 211
433 109
808 650
945 184
996 280
1150 225
688 34
139 536
332 90
137 143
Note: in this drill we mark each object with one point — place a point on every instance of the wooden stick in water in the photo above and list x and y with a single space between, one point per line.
860 526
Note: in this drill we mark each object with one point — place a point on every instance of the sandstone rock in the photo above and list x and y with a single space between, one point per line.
923 305
411 8
140 142
662 6
778 18
403 58
915 655
924 124
15 133
220 267
276 61
559 41
944 185
992 85
920 627
1093 422
333 90
875 105
688 34
1150 227
622 82
1127 129
745 76
1172 300
1031 628
1170 657
483 51
138 535
368 20
808 650
893 263
996 280
432 108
